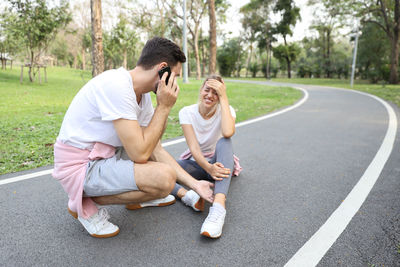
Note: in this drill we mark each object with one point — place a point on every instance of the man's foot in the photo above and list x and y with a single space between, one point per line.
212 226
98 225
192 199
168 200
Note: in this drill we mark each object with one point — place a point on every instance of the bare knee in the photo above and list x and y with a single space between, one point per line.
155 178
168 180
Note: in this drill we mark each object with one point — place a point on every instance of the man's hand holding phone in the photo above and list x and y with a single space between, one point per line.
167 93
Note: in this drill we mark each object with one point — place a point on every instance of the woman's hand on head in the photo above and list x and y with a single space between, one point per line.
218 171
219 87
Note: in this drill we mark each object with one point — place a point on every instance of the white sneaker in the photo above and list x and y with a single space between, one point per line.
212 226
192 199
98 225
168 200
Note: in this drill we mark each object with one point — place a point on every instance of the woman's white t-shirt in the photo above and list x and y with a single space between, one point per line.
208 132
107 97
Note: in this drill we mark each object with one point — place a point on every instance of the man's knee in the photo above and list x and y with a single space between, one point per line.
168 175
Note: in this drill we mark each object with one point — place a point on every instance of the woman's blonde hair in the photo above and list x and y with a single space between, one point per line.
213 76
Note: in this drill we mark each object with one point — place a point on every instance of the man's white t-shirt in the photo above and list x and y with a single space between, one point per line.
208 132
107 97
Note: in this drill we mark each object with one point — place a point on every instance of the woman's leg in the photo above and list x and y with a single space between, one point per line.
194 169
213 224
224 155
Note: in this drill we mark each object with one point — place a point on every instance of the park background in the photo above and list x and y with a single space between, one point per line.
255 40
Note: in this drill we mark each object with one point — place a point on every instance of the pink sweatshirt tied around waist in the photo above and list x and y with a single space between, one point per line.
70 165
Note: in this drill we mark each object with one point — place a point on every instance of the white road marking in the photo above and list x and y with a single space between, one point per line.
169 143
317 246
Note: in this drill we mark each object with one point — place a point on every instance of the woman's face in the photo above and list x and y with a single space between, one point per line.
209 97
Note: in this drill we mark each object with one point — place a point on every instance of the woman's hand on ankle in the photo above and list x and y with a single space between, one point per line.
218 172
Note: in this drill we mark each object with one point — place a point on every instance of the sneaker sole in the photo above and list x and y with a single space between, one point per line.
138 206
107 235
208 235
73 213
199 205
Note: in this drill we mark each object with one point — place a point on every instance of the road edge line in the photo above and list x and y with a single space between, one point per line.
322 240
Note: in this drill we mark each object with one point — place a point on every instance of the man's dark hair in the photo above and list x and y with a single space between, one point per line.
158 50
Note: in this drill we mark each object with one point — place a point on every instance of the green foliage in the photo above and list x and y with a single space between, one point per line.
35 24
289 14
373 54
229 55
119 45
254 67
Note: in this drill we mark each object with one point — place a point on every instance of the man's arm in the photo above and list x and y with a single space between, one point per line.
203 188
139 143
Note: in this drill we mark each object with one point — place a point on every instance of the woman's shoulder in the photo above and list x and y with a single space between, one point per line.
189 109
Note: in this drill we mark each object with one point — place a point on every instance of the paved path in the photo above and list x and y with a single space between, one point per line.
299 167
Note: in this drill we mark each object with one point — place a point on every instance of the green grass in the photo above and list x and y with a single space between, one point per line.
31 114
388 92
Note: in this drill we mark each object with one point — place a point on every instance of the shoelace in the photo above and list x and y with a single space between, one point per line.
101 218
214 215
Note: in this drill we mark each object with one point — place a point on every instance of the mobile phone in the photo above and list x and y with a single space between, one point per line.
163 70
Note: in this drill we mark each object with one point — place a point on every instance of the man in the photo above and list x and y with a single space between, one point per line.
108 150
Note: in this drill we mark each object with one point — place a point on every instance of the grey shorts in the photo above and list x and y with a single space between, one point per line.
110 176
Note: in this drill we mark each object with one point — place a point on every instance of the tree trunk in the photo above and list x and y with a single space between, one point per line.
213 37
125 62
268 55
83 59
97 38
249 58
30 67
289 75
75 64
394 60
328 53
196 53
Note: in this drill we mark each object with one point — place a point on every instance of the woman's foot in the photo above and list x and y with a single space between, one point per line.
212 226
192 199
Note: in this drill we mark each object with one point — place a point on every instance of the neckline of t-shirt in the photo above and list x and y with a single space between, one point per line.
141 104
212 117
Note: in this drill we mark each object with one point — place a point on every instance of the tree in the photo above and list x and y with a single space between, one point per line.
197 9
327 20
373 57
383 13
256 22
230 56
290 14
213 37
97 38
36 25
286 54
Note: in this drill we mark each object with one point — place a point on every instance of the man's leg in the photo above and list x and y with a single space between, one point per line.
153 179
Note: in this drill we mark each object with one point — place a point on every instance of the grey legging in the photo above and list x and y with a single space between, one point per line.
223 154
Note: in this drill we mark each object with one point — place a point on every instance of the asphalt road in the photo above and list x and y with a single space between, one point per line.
298 168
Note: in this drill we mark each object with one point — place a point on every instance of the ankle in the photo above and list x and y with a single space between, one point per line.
220 199
181 193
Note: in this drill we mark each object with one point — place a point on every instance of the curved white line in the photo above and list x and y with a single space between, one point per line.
315 248
173 142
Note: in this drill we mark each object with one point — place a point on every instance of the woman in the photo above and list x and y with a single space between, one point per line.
207 127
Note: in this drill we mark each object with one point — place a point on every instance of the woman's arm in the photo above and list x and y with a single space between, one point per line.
216 170
227 120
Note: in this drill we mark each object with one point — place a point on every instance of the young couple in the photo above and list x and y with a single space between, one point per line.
108 150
